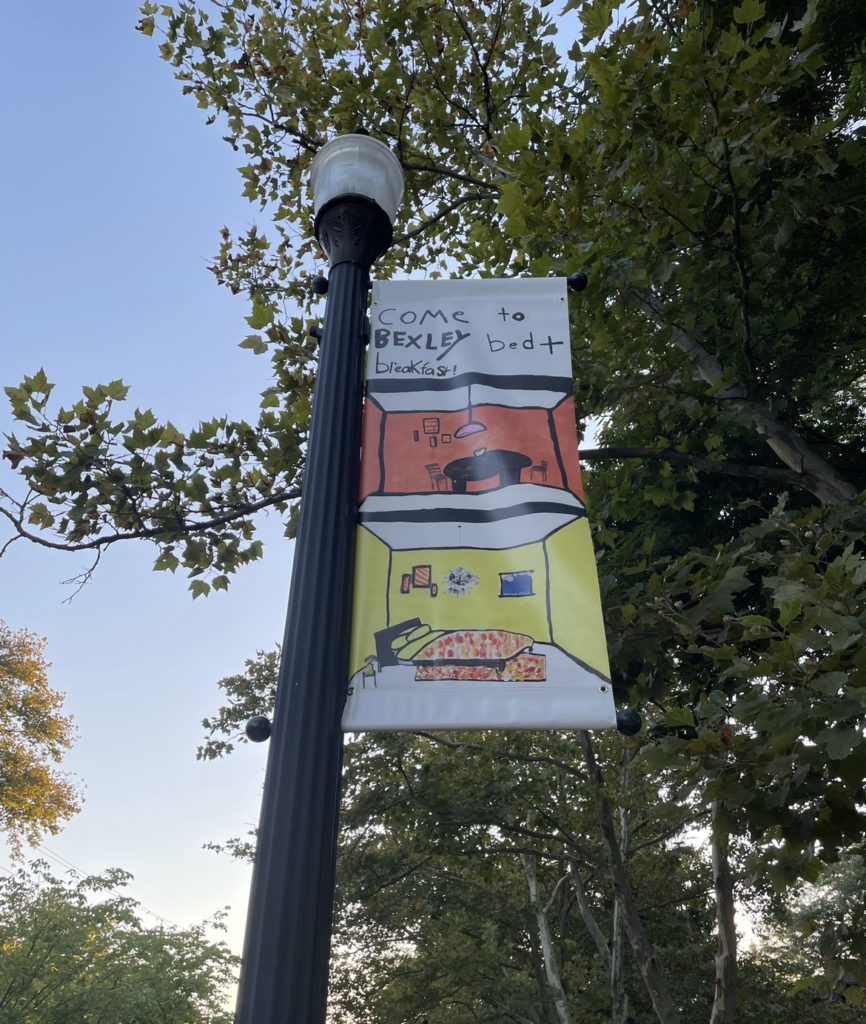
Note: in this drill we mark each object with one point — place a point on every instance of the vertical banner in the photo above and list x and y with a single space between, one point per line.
476 601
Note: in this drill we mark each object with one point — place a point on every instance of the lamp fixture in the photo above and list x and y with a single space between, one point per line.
357 184
471 426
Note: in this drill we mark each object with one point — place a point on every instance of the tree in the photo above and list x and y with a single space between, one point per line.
473 885
484 856
77 951
673 154
824 925
35 797
703 163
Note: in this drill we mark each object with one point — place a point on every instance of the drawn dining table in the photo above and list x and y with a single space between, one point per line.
498 462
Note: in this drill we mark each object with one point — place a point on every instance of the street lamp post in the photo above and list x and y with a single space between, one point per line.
357 186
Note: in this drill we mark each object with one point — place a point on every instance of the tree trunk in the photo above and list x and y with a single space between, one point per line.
641 947
725 999
618 994
551 968
818 476
586 913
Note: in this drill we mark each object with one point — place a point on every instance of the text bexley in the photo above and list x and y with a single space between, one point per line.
425 330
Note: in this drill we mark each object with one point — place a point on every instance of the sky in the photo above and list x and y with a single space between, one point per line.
112 195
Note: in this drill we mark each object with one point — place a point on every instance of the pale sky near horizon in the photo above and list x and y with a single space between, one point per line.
113 194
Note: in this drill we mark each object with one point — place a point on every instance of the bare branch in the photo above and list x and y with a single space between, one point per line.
774 474
443 212
81 580
148 533
507 755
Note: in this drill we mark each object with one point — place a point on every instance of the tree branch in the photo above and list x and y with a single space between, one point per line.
774 474
507 755
586 913
147 533
641 946
443 212
445 172
551 967
817 476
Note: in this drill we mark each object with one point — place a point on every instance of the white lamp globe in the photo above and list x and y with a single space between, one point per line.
356 165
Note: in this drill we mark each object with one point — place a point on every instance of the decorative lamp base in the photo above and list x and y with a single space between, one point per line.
353 229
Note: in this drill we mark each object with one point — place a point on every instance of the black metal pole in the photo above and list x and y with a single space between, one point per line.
284 972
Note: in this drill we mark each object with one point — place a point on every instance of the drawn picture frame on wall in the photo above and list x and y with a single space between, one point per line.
421 576
517 583
430 424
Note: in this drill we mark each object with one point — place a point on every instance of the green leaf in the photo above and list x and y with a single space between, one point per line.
261 316
830 682
595 18
839 742
679 717
783 235
514 138
166 560
756 620
826 163
510 198
40 516
788 611
254 342
749 11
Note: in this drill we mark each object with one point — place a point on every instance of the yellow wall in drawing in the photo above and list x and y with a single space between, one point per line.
575 605
370 611
459 602
463 603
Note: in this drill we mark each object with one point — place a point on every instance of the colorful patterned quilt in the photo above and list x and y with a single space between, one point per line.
468 654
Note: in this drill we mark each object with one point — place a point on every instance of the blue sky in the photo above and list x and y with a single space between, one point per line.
113 194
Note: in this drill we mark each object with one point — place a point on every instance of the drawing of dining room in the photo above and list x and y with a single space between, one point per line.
472 436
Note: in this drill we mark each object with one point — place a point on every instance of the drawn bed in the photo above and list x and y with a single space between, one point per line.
467 654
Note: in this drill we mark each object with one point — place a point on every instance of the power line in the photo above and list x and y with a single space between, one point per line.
77 872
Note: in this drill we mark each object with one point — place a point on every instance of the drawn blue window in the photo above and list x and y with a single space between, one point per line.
516 584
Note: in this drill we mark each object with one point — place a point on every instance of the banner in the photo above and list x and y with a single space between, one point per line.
476 601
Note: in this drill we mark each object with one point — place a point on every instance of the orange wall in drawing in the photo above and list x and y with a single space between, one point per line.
406 447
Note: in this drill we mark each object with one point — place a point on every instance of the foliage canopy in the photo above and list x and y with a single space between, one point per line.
35 796
702 163
78 951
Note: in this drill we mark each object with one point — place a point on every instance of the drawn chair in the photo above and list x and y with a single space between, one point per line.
437 477
541 470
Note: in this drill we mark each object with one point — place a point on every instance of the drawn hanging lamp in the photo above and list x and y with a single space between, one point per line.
471 426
